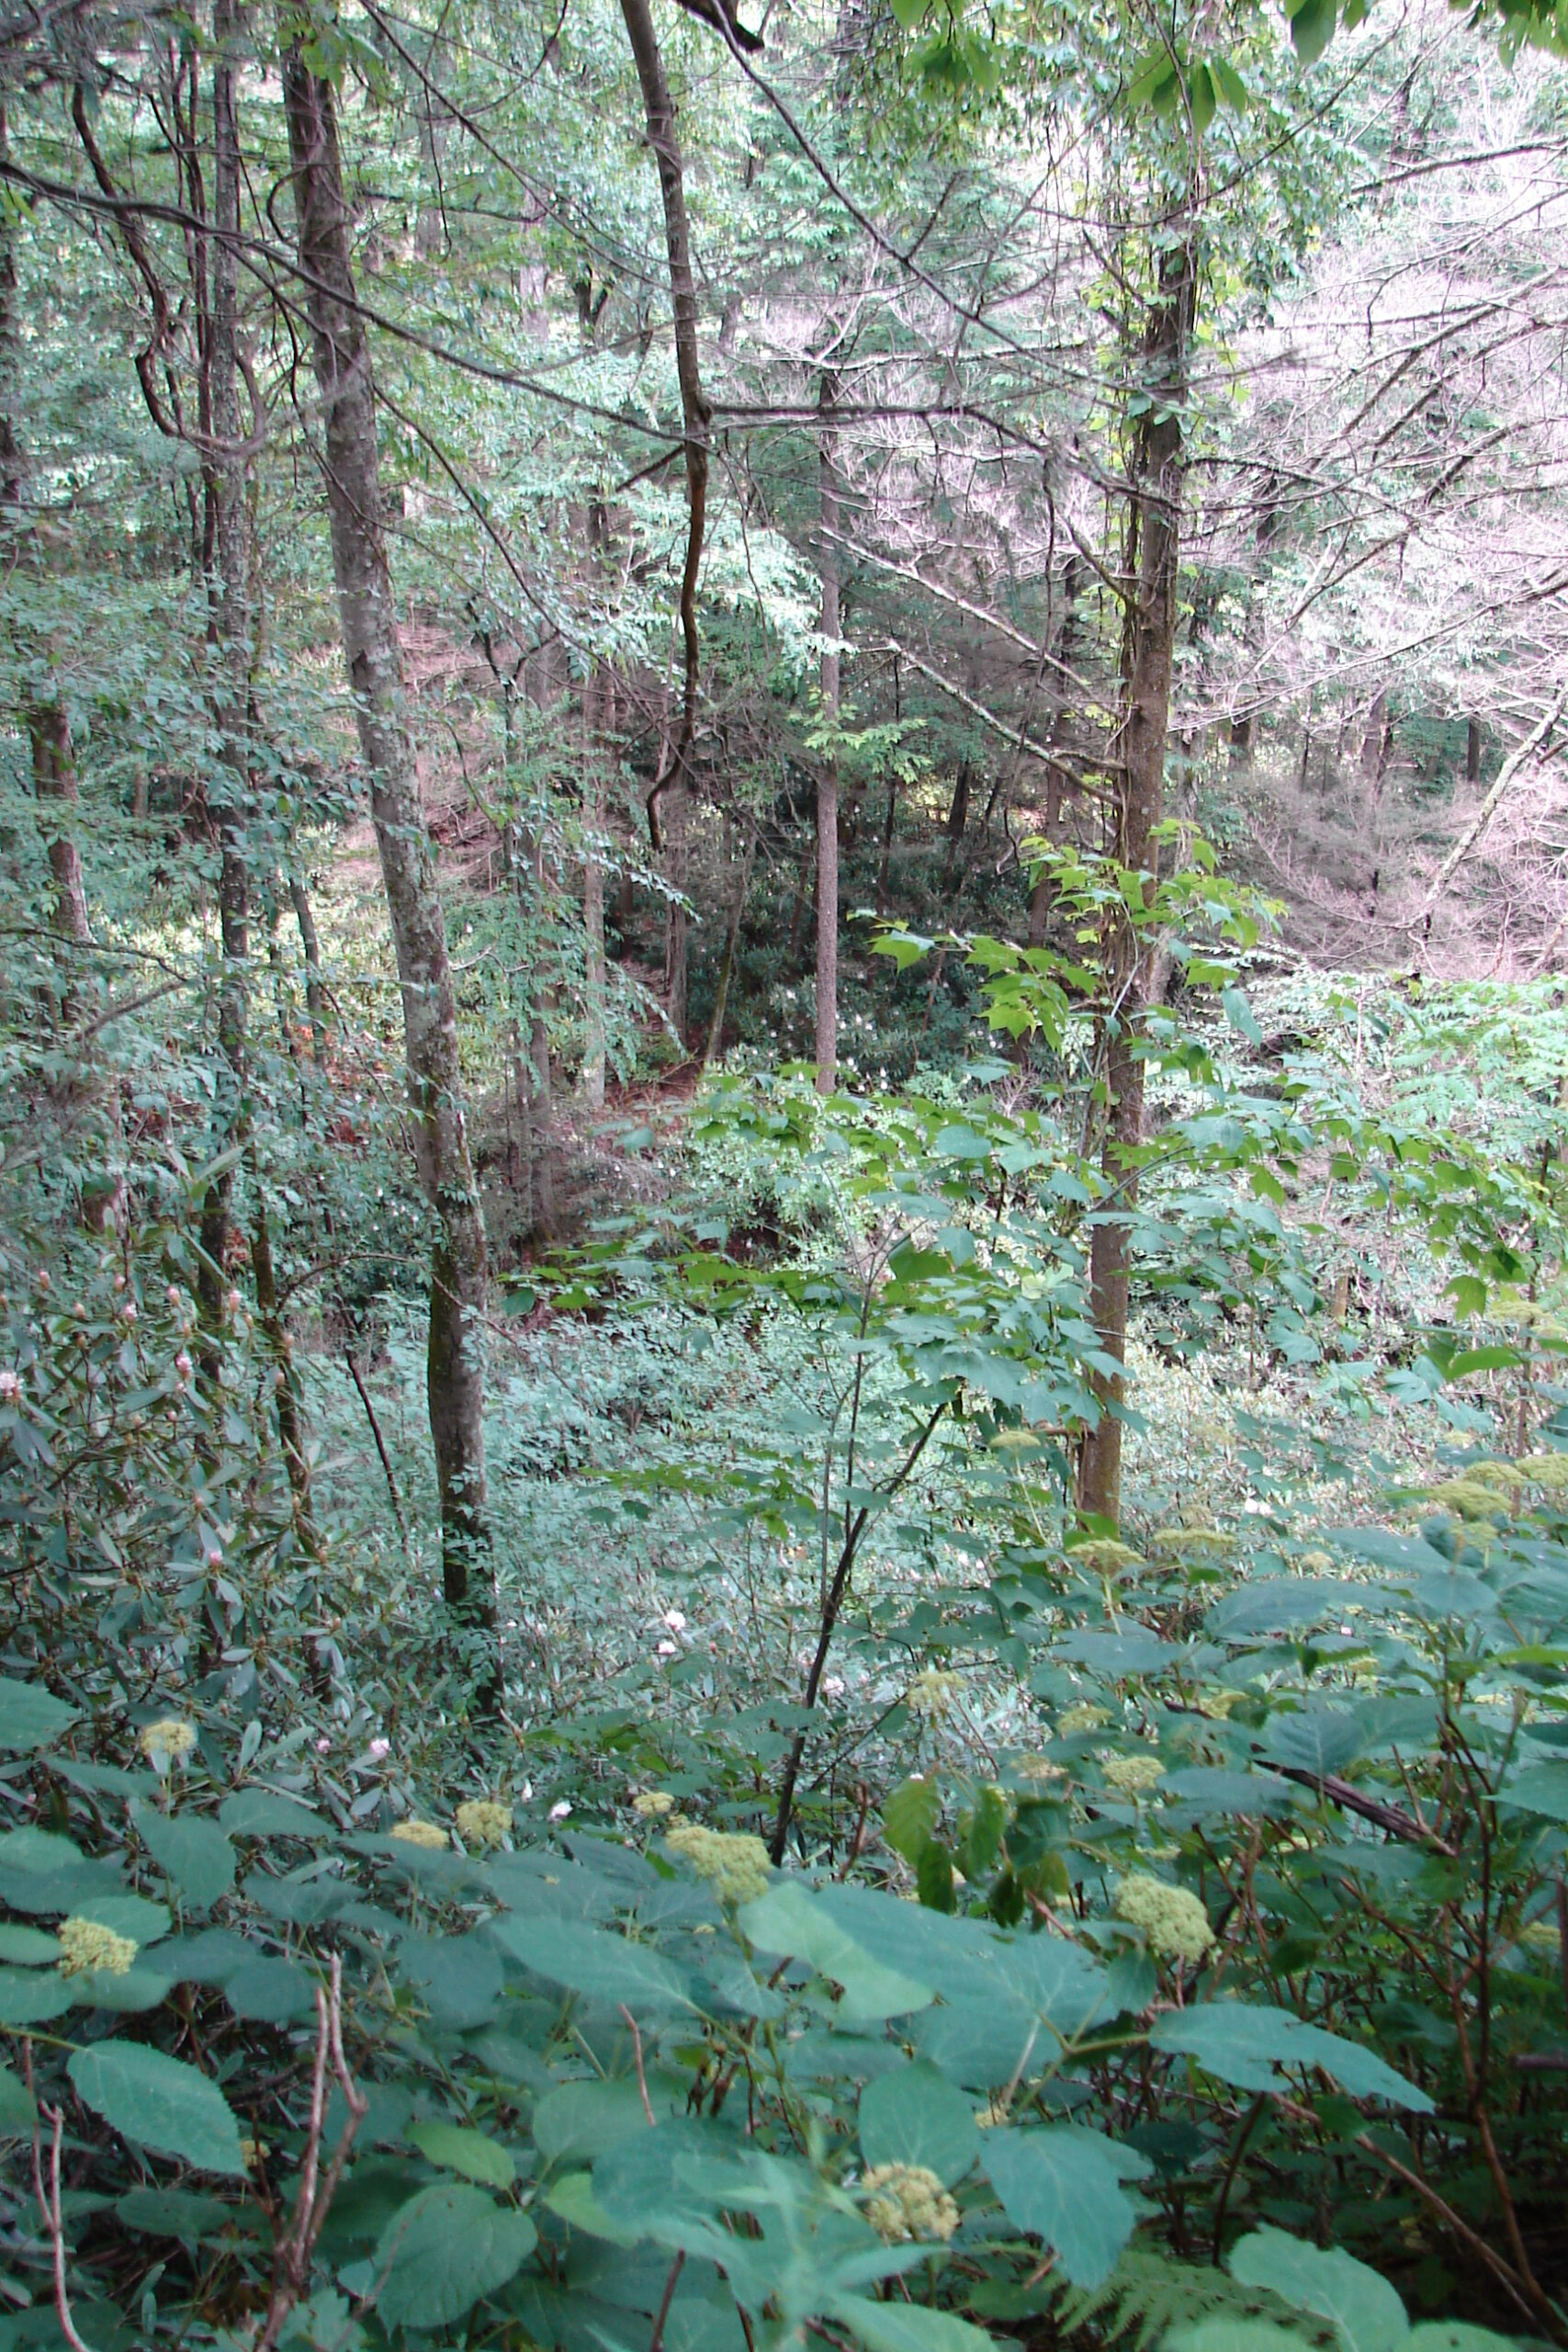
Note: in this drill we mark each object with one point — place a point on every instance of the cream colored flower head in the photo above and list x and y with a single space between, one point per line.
908 2201
84 1945
930 1694
1174 1922
1085 1716
1037 1769
166 1741
482 1822
1133 1775
653 1804
734 1864
427 1835
1103 1555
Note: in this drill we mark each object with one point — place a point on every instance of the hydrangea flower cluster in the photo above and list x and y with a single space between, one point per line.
427 1835
1175 1922
930 1694
1085 1716
734 1864
166 1741
84 1946
908 2201
653 1804
1132 1775
482 1822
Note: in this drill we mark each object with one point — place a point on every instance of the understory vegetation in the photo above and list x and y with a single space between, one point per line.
784 1241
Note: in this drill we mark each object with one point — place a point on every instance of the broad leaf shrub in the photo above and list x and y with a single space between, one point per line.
1307 1947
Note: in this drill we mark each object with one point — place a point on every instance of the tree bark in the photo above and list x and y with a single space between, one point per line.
315 994
726 966
455 1364
1154 548
44 714
827 781
230 638
593 911
1057 775
675 776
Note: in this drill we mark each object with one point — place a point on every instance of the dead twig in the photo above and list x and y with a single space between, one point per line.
49 2207
297 2247
641 2080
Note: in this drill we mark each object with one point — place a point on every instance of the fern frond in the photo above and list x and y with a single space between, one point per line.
1149 2294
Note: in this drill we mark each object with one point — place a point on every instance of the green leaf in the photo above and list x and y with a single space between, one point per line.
159 2103
907 2327
1247 2044
934 1877
1365 2309
601 1967
1468 1293
1540 1789
28 1996
1201 101
571 2198
472 2154
1497 1358
261 1813
27 1947
577 2121
128 1914
792 1923
17 2111
1312 29
909 12
443 2252
1232 2335
1455 2335
1231 89
1239 1013
915 2116
31 1716
271 1990
193 1854
908 1817
1065 2187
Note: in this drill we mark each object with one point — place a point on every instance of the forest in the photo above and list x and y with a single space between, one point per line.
784 1217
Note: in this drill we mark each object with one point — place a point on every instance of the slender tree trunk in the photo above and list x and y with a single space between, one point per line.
44 714
827 781
1155 525
315 994
229 630
726 967
592 919
1473 753
1055 769
455 1365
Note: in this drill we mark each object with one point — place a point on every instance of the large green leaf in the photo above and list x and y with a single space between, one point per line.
159 2102
444 2251
193 1854
915 2116
1367 2313
789 1921
31 1716
1247 2044
907 2327
472 2154
601 1967
1064 2186
577 2121
1540 1788
29 1996
17 2111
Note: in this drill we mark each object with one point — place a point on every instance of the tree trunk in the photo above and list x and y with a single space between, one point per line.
726 967
44 715
1056 772
593 913
230 634
456 1367
1155 527
315 994
1473 753
827 781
